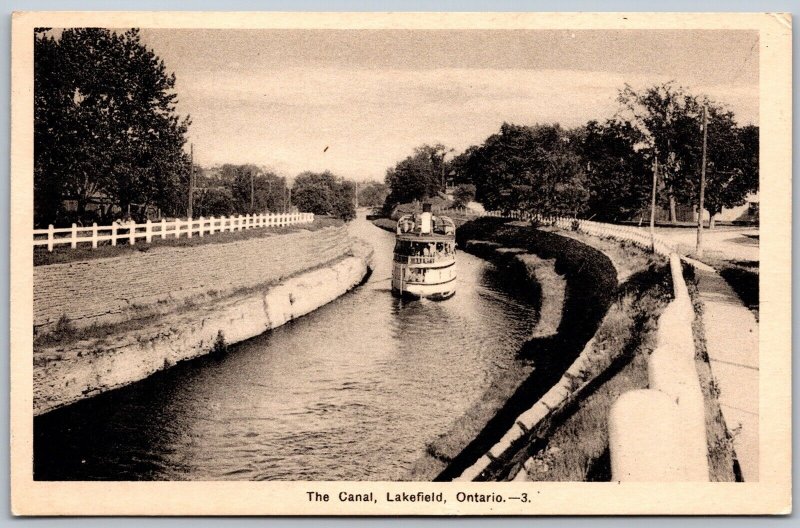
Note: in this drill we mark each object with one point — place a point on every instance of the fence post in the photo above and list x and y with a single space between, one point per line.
50 237
148 231
201 226
114 234
163 228
74 240
94 235
132 233
189 223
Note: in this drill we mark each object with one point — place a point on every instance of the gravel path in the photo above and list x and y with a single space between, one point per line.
731 333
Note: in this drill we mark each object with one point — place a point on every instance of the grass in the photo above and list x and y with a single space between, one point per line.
743 276
628 258
591 286
64 253
572 446
66 333
722 467
577 448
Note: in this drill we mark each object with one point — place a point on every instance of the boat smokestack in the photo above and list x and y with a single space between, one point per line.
426 219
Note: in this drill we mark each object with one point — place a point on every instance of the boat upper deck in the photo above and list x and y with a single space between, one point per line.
425 228
425 237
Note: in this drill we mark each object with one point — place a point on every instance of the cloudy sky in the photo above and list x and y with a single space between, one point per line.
279 97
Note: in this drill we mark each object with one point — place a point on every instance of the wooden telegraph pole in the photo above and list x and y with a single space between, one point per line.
653 203
699 249
191 180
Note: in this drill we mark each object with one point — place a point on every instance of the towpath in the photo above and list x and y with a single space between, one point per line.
731 333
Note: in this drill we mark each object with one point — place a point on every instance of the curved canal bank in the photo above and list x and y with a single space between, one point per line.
590 283
352 391
128 317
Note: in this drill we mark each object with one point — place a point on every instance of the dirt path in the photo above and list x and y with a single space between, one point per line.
731 333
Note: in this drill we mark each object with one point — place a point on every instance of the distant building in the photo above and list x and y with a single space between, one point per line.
746 213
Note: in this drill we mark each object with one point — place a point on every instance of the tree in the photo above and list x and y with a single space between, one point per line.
324 194
372 194
732 165
464 194
664 117
105 123
214 201
534 168
669 120
619 177
417 177
344 205
313 192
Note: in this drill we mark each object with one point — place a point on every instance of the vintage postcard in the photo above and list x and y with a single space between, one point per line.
400 264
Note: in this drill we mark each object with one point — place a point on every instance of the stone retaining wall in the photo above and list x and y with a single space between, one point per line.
64 374
131 286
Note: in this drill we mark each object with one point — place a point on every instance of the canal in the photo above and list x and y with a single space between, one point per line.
352 391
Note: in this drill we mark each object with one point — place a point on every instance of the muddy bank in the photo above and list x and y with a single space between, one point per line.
100 359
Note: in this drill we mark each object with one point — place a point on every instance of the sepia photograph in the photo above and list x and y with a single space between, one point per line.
431 267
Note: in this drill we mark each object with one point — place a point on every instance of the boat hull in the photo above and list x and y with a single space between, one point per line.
439 283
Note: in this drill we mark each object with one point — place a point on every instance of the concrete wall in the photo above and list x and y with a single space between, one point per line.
110 290
64 374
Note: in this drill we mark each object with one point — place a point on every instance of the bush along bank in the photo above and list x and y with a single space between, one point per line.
591 283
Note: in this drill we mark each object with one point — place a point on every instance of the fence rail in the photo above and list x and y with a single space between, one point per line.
177 228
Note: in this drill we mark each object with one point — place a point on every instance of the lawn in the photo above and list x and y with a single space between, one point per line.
63 253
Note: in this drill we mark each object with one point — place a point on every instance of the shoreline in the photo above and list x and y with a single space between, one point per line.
541 260
66 373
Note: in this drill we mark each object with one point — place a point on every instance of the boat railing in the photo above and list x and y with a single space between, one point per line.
405 259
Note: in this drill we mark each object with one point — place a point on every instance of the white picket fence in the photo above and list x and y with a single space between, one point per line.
130 233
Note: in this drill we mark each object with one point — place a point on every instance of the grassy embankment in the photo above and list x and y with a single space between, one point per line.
65 332
63 253
573 443
591 281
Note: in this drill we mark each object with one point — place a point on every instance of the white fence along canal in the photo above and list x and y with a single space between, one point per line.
131 232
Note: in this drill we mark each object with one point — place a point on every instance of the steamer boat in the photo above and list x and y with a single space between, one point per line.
424 256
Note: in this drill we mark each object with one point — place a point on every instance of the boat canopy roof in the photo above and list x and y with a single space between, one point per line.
428 237
409 227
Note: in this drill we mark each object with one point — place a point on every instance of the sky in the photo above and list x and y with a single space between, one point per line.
356 102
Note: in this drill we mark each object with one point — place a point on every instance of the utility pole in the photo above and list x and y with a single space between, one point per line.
191 179
252 189
356 195
699 249
653 202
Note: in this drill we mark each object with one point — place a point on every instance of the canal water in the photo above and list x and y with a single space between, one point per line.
352 391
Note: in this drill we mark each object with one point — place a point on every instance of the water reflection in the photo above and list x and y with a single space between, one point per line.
352 391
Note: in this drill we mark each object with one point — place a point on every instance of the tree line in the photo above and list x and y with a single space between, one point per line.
109 142
106 130
601 170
